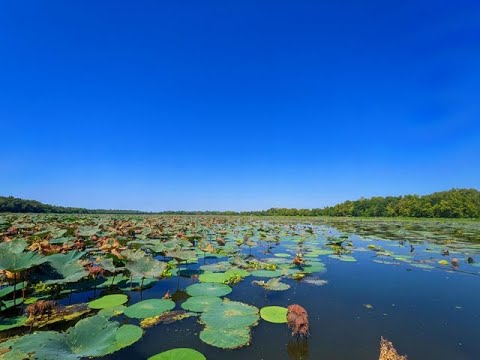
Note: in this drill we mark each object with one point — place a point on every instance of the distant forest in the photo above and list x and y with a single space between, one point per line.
455 203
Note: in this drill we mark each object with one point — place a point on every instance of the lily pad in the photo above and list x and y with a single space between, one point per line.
179 354
149 308
112 311
267 273
108 301
212 289
274 314
230 315
91 337
226 338
273 285
200 303
13 322
211 277
142 265
346 258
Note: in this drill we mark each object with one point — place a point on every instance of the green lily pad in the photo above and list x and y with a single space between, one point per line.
273 284
237 272
149 308
226 338
230 315
108 301
95 336
200 303
112 311
13 322
274 314
179 354
422 266
212 289
267 273
211 277
346 258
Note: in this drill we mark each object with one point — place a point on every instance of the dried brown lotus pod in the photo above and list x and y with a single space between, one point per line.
297 320
41 307
95 271
298 260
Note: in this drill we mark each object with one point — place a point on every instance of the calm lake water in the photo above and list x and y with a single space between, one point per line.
396 289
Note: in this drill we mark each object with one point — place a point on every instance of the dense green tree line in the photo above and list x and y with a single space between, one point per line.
16 205
455 203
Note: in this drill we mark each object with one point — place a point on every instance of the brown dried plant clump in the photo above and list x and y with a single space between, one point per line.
95 271
298 260
297 320
41 307
388 352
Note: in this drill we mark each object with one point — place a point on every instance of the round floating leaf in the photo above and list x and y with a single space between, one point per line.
13 322
318 252
314 267
113 311
282 255
230 315
226 338
142 265
179 354
346 258
95 336
199 303
125 336
212 289
274 314
267 273
422 266
211 277
273 284
108 301
149 308
237 272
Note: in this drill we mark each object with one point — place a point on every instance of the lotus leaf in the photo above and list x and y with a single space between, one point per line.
13 322
273 284
212 289
113 311
230 315
346 258
211 277
179 354
149 308
200 303
67 267
282 255
108 301
226 338
91 337
140 264
274 314
267 273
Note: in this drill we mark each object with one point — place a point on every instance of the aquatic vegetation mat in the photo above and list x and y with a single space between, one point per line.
179 354
92 337
66 277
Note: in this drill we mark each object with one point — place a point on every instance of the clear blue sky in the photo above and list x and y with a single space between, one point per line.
237 104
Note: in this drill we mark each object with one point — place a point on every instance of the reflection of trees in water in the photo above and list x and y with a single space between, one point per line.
297 349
